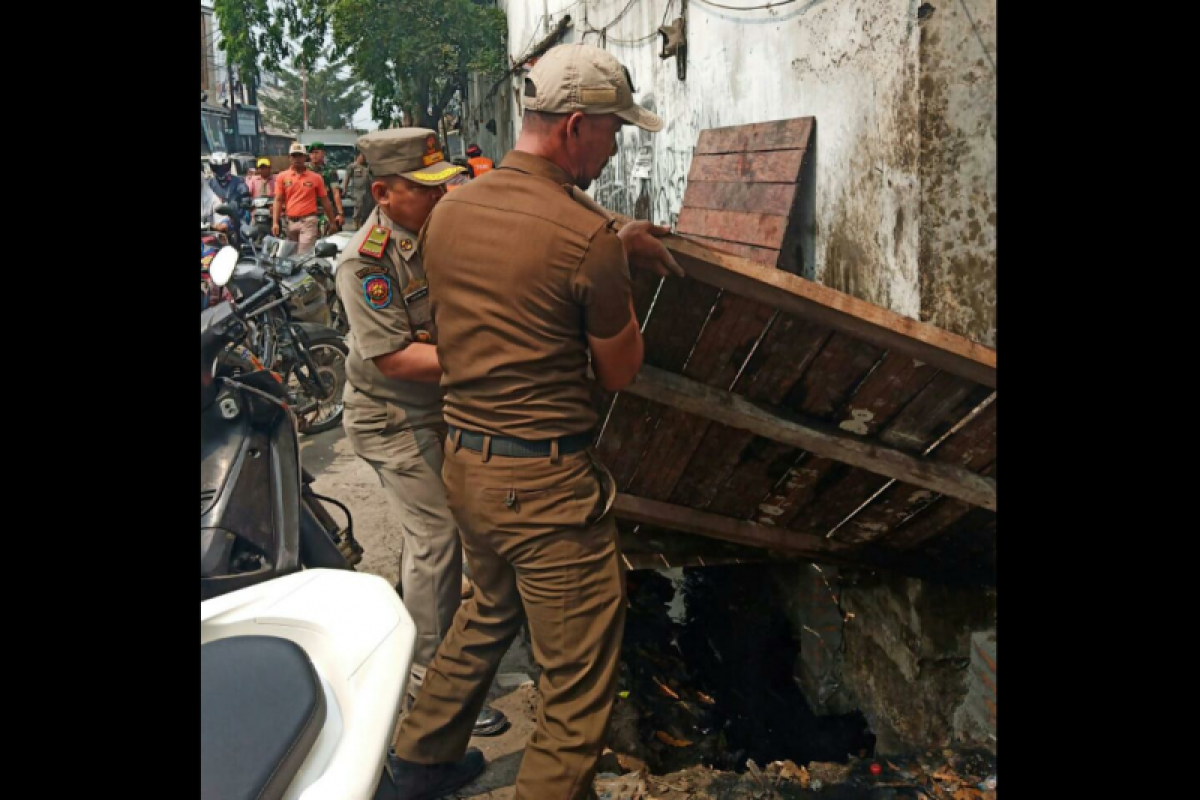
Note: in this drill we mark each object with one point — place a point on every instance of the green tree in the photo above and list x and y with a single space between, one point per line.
332 99
413 54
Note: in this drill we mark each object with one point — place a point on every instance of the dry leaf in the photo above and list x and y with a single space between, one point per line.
703 698
667 738
968 794
666 690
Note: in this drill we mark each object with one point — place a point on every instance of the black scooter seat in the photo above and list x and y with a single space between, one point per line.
261 711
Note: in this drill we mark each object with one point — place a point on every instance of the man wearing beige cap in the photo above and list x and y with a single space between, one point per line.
297 192
393 415
527 276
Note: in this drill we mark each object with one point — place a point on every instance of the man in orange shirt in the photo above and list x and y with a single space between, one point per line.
477 163
298 189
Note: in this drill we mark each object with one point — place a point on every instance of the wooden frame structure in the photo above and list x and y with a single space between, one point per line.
784 417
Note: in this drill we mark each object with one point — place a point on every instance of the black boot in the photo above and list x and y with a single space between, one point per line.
489 722
431 781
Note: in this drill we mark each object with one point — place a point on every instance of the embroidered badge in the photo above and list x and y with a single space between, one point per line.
378 291
406 245
376 242
371 269
432 154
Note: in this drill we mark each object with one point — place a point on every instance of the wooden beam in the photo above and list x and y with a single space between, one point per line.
812 301
791 544
666 515
815 437
795 295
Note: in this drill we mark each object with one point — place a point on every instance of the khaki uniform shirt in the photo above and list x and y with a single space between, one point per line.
387 305
520 273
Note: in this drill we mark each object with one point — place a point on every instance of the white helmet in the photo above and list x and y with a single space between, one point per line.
219 159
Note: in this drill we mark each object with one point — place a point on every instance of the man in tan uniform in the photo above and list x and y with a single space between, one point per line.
527 276
393 414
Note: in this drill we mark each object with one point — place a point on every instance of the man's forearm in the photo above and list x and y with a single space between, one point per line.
417 362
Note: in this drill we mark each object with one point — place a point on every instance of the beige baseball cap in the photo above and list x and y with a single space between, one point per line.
413 153
582 77
297 148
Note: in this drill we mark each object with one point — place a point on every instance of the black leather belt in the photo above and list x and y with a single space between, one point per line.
520 448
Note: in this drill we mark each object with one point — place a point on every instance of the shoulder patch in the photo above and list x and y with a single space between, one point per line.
376 242
377 289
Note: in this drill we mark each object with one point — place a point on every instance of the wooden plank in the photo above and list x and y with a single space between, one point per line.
825 493
784 355
782 134
857 318
778 541
670 334
966 546
640 538
644 285
888 389
653 512
750 198
819 394
928 524
780 166
973 447
762 255
812 435
723 347
760 230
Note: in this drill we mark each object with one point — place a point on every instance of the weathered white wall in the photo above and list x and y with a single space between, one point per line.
883 159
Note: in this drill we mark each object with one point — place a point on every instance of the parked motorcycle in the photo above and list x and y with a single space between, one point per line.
259 516
301 681
293 336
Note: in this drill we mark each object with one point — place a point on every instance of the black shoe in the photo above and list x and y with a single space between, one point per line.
431 781
489 722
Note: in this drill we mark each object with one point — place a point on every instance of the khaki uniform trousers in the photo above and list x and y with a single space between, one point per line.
409 464
303 232
542 545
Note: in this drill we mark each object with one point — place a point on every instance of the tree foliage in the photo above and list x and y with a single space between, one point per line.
332 100
413 54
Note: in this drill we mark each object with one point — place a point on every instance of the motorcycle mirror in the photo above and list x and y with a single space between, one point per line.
326 250
225 210
222 266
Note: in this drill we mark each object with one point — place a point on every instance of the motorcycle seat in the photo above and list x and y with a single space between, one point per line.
261 710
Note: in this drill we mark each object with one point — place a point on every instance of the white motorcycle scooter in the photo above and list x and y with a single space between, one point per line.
301 680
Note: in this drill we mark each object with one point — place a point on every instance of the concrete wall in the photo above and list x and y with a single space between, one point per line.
905 170
916 658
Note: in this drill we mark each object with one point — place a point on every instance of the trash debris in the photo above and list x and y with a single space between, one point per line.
703 698
666 690
876 769
667 738
620 787
989 785
623 695
829 773
817 784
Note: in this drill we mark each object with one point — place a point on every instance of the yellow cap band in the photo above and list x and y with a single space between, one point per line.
437 176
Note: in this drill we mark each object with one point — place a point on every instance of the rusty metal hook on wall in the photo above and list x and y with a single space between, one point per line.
674 42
